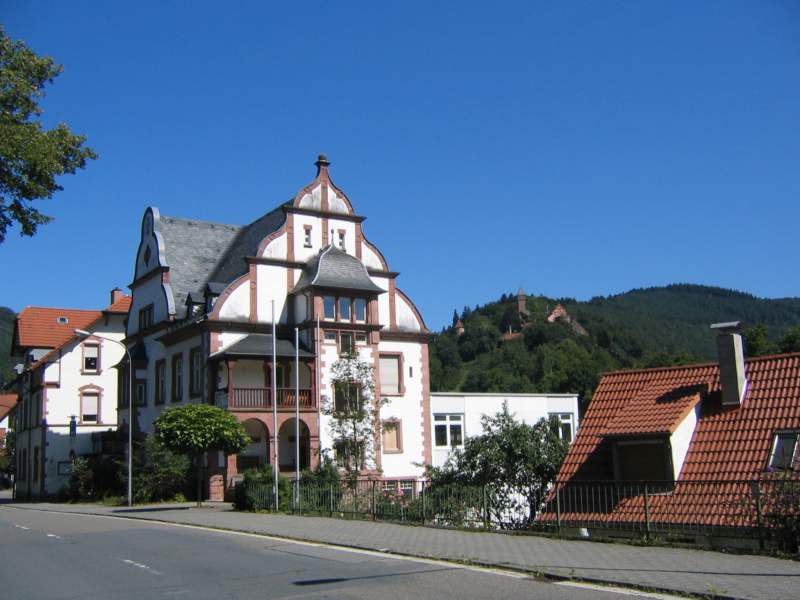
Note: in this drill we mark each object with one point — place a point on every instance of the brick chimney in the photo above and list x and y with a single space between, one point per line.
116 294
731 362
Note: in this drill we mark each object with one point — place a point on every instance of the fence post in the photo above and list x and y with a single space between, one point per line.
373 500
646 514
422 500
756 490
485 508
558 508
331 498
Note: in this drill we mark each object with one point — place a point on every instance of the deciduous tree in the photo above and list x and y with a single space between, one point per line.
31 157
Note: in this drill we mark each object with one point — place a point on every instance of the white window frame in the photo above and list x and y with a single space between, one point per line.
565 418
449 420
96 369
774 452
96 395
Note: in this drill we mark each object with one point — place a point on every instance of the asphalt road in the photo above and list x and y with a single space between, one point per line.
59 556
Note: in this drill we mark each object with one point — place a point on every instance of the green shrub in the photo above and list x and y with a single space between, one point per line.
158 473
255 491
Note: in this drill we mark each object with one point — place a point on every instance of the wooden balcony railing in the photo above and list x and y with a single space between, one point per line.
261 398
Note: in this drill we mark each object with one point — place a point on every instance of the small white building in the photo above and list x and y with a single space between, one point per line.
67 389
457 415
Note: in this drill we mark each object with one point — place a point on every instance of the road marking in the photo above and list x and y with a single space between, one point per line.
22 527
618 590
140 566
53 535
375 553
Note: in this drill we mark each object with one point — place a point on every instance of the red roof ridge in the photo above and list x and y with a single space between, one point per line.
699 365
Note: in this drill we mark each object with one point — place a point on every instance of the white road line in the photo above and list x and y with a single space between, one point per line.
53 535
22 527
618 590
376 554
140 566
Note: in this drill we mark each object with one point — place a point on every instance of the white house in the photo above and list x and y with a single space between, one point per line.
457 415
201 330
68 389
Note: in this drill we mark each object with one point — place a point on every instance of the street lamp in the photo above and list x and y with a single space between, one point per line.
84 334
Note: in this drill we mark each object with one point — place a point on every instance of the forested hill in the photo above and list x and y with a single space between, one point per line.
7 317
641 328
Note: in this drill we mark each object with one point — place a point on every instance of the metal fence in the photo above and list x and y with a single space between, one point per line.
763 510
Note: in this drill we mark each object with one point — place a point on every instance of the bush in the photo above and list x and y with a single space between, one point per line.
92 478
255 491
158 473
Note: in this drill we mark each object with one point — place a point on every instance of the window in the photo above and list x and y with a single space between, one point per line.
90 407
122 386
330 336
642 460
161 382
36 463
344 452
141 393
344 309
145 317
361 338
307 237
565 430
785 451
391 374
360 309
91 358
329 307
23 465
346 344
392 437
341 239
195 370
177 378
448 431
347 397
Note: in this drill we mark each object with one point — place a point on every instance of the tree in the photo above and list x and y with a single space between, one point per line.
195 429
31 157
518 461
757 341
790 341
355 422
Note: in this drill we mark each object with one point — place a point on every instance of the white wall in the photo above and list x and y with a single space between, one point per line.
527 408
681 438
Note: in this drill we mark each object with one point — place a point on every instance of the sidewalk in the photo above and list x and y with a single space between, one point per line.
683 571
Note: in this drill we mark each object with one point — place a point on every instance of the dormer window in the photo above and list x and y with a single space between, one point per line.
62 320
785 451
145 317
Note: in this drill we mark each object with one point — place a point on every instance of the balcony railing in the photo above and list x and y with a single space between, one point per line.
261 398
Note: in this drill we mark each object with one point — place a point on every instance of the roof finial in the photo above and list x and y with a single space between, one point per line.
322 165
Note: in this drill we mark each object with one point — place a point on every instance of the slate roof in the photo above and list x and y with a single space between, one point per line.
199 252
334 268
730 446
260 345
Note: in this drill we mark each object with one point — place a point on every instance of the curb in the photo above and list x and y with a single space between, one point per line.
539 575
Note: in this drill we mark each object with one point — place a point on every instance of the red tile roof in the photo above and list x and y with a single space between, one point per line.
729 444
123 305
7 402
40 327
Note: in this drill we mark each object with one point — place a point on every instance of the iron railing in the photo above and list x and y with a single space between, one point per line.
761 510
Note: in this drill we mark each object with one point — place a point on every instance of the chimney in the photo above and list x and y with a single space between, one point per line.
116 294
731 363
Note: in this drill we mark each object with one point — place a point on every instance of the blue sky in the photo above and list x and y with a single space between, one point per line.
576 149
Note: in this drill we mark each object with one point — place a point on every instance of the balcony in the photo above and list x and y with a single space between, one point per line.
255 399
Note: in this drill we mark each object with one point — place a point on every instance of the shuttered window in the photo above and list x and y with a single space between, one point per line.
90 407
390 374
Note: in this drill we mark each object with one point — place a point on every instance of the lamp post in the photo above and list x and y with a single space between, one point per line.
84 334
